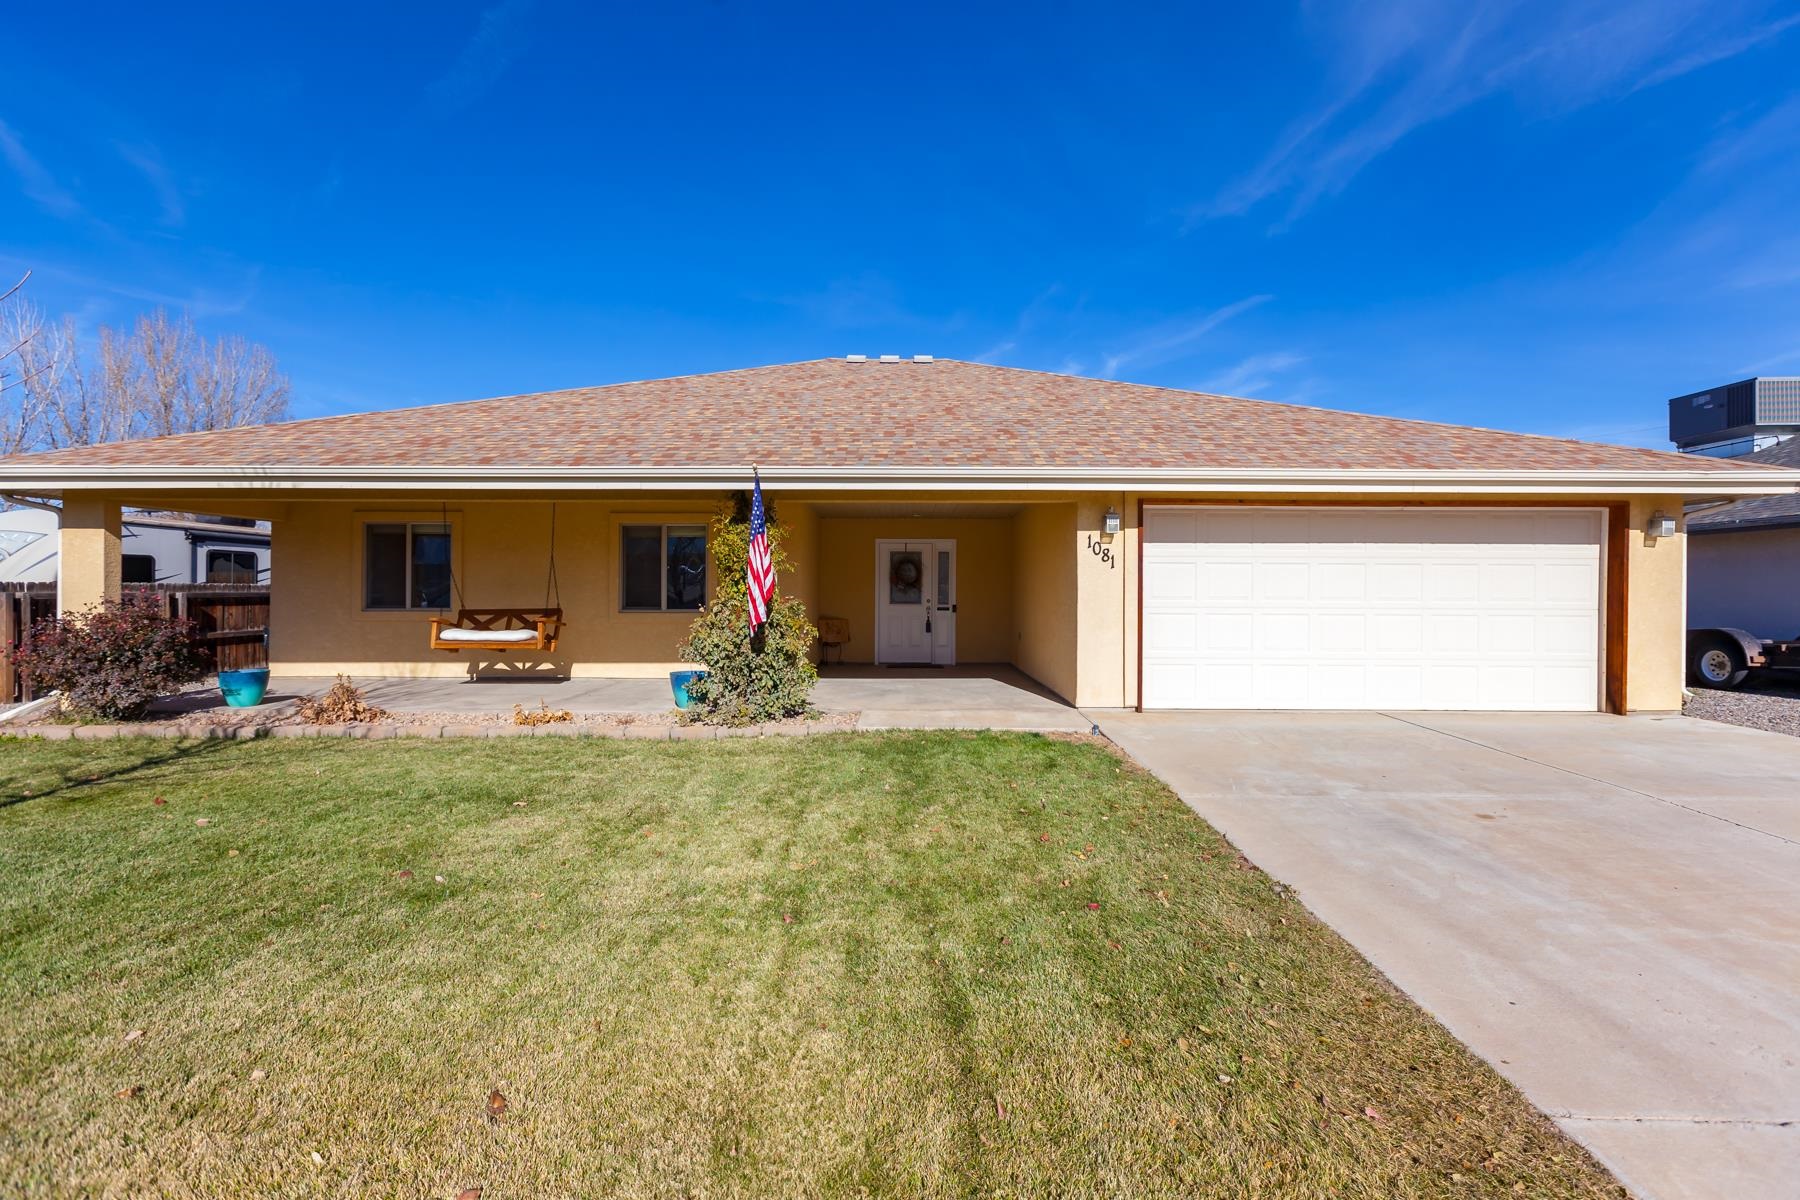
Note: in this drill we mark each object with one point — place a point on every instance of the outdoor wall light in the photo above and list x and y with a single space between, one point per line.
1661 526
1110 524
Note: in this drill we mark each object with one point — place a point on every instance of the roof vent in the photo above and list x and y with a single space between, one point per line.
890 358
922 358
856 358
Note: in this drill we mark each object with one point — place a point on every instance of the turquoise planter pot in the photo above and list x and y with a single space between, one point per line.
679 681
242 689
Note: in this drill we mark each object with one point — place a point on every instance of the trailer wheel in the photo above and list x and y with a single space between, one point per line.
1716 663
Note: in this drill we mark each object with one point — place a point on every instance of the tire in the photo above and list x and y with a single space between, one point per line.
1716 663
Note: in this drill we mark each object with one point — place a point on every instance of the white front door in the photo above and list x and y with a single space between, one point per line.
915 602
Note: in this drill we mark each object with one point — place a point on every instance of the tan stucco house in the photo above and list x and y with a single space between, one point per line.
1124 545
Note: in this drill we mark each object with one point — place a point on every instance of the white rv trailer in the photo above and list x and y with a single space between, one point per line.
156 549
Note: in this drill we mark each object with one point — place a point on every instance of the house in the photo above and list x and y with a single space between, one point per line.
154 548
1123 545
1744 557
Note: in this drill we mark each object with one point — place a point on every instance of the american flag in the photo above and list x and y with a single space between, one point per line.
762 568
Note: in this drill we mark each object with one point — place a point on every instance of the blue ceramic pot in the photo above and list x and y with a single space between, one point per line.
242 689
679 681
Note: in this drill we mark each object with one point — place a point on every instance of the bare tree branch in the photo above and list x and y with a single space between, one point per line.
162 377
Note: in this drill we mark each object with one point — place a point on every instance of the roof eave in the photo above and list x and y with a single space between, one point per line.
53 478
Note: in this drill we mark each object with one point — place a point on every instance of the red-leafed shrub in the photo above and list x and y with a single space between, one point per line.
111 662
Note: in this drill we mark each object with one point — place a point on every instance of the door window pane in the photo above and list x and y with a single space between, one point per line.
687 567
384 566
642 566
431 566
943 579
906 577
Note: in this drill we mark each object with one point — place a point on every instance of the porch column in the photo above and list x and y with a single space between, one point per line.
88 566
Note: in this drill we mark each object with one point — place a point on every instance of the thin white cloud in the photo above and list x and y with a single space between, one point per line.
1719 52
1253 374
1395 68
1171 339
150 165
1774 360
499 39
35 178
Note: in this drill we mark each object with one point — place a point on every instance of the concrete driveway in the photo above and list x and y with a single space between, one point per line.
1607 909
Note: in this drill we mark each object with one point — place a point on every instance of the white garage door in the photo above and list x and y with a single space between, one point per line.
1372 608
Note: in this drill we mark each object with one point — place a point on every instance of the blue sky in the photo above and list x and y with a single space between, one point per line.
1547 217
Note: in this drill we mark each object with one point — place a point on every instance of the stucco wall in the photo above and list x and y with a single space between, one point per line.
1745 580
1034 591
984 592
1656 582
318 626
1044 595
89 558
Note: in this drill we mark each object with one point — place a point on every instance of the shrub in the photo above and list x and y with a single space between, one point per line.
112 661
766 678
341 704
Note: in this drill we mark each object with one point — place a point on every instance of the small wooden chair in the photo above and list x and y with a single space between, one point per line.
833 632
500 629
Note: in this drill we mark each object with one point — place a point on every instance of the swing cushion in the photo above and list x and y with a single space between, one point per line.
520 636
498 629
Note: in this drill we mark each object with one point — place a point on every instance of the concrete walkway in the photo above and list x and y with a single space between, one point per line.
972 697
1607 909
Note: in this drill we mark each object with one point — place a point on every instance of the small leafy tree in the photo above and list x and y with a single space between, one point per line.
112 661
766 678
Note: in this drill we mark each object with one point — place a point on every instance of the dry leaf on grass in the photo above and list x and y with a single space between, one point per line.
469 1194
496 1105
128 1093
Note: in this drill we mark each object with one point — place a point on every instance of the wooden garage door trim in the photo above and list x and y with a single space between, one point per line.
1618 521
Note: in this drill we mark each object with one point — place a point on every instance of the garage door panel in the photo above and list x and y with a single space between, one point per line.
1229 580
1391 581
1171 581
1277 582
1230 633
1172 526
1371 608
1452 582
1453 635
1173 632
1277 633
1341 632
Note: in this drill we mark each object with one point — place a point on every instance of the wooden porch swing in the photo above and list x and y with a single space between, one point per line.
503 629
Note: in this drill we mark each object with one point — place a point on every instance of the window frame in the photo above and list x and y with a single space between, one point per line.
410 523
663 526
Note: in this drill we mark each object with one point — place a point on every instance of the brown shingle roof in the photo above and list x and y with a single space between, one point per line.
832 413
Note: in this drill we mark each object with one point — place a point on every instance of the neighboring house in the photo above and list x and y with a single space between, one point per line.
1124 545
153 549
1744 558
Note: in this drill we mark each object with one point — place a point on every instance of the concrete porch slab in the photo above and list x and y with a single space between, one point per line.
968 697
983 696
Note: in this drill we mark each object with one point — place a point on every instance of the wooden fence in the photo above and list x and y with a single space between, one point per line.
231 622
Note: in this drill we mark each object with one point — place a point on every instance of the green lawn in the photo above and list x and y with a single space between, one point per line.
931 964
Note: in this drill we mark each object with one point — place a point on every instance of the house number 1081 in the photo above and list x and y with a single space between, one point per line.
1103 552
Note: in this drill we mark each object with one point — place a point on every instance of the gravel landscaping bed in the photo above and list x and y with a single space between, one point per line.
1772 704
285 721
